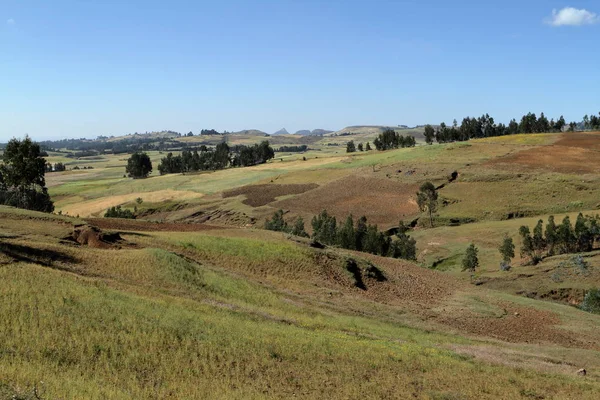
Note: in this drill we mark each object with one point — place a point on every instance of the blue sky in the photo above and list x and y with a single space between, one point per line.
84 68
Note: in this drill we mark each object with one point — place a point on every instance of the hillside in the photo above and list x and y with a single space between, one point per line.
131 310
195 297
364 131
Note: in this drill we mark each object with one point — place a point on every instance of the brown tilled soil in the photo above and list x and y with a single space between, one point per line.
408 284
144 226
429 293
572 153
260 195
382 201
518 325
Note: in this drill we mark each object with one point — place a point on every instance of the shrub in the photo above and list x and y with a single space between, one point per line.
277 223
591 301
118 212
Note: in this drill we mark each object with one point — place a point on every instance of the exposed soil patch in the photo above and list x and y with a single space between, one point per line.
145 226
407 285
382 201
260 195
572 153
517 325
93 237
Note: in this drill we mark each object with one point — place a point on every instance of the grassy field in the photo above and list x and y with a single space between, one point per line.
249 314
226 310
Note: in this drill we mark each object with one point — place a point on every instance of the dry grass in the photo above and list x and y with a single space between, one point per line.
243 314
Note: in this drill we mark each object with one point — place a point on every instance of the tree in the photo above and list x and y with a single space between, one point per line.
139 165
24 166
22 182
470 262
350 147
360 232
405 247
360 147
346 234
118 212
551 235
368 147
583 236
298 228
527 248
566 237
324 228
427 199
507 251
277 223
429 134
539 243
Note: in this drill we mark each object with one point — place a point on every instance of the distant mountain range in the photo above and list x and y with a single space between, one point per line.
282 131
304 132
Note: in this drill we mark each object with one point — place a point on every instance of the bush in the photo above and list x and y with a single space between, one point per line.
139 165
591 301
118 212
28 199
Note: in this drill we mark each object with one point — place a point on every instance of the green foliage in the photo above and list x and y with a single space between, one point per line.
253 155
389 139
566 236
429 134
118 212
346 234
591 301
507 249
23 165
207 159
470 262
485 126
551 235
560 240
405 247
22 182
368 147
277 223
360 147
350 147
324 228
427 199
298 228
138 165
362 237
293 149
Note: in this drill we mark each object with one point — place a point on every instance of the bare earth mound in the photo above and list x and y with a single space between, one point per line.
94 237
260 195
382 201
572 153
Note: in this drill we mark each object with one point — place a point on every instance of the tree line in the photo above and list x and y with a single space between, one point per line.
485 126
591 122
351 147
292 149
222 156
360 236
559 239
390 139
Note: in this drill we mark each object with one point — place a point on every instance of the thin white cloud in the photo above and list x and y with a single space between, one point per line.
10 21
570 16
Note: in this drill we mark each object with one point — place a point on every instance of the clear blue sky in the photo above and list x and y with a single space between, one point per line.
86 68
